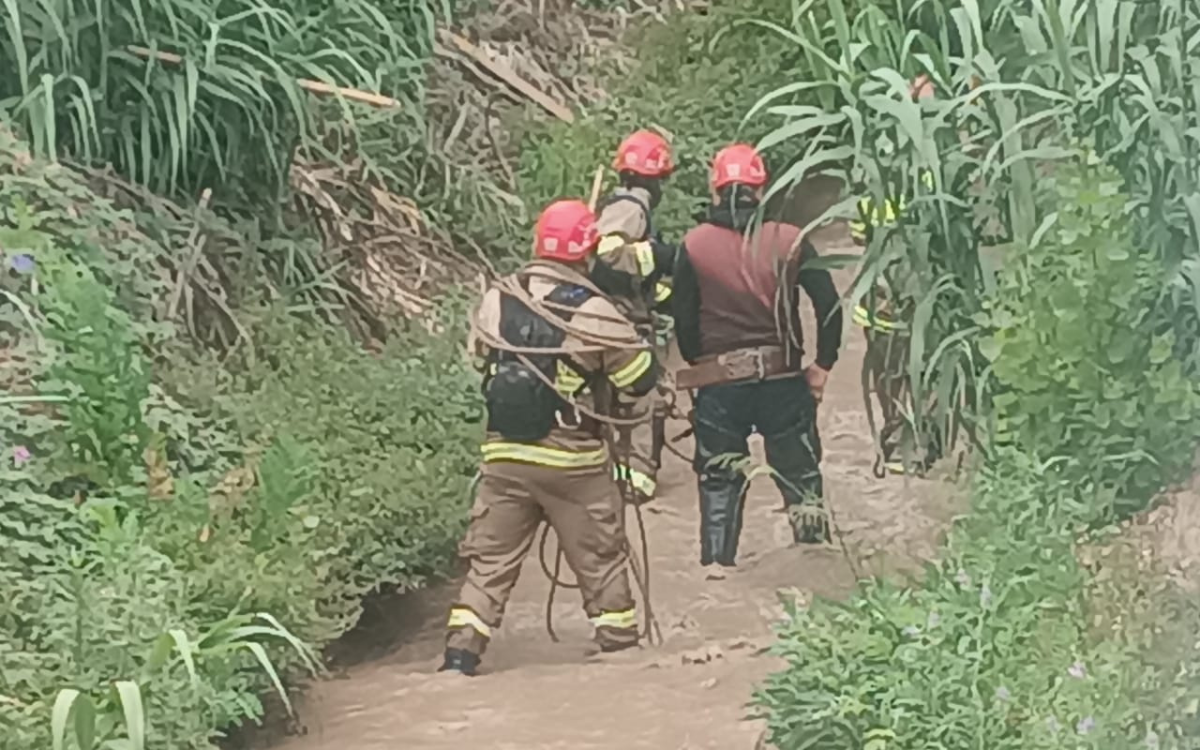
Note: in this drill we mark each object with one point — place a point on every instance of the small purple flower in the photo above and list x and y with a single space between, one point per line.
20 455
1077 670
963 579
22 263
1152 740
934 620
1002 694
985 596
1085 725
912 631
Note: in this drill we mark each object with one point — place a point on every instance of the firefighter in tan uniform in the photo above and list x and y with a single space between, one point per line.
558 355
632 263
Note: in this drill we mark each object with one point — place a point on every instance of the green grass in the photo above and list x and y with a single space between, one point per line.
224 108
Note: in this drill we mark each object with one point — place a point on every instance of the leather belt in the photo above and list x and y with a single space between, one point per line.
755 363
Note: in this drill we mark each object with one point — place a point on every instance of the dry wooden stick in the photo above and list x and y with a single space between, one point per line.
506 74
308 84
358 95
596 183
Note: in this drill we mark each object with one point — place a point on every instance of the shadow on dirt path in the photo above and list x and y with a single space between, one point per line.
689 694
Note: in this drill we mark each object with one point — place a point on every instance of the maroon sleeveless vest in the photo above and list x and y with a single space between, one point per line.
742 300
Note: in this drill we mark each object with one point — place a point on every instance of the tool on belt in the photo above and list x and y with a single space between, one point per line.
754 363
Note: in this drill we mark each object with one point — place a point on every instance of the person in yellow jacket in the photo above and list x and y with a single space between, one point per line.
632 266
558 354
883 322
921 89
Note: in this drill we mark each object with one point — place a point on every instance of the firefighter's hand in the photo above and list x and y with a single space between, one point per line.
816 377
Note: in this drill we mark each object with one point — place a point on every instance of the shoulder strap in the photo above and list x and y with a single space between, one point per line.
618 197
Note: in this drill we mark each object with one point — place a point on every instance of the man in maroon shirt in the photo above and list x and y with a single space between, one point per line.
736 303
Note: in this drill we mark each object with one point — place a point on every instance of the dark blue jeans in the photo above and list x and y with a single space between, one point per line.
785 414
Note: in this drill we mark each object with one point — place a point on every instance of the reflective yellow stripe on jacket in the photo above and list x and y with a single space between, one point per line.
878 217
642 251
644 254
637 367
661 292
886 214
567 381
624 619
528 453
641 482
610 243
645 258
461 617
878 321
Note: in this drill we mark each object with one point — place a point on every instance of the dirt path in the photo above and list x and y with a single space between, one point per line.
692 692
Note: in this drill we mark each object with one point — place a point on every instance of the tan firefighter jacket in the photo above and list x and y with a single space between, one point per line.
631 368
636 266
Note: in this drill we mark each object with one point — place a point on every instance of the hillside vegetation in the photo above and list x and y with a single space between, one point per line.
233 400
1064 137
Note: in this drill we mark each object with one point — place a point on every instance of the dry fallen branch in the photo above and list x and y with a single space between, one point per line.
505 74
397 261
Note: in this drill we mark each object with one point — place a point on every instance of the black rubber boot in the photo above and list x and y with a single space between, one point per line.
733 526
721 504
458 660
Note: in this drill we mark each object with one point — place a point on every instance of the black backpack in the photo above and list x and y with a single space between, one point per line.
521 406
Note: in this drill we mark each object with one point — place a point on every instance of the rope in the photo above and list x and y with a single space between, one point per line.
590 340
555 581
583 339
674 412
670 445
650 630
621 450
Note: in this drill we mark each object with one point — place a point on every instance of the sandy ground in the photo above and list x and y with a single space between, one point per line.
690 693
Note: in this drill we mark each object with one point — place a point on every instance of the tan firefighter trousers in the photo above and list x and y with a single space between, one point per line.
585 510
637 445
640 446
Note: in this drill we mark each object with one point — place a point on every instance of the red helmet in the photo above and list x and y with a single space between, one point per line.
739 163
566 230
646 153
922 87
